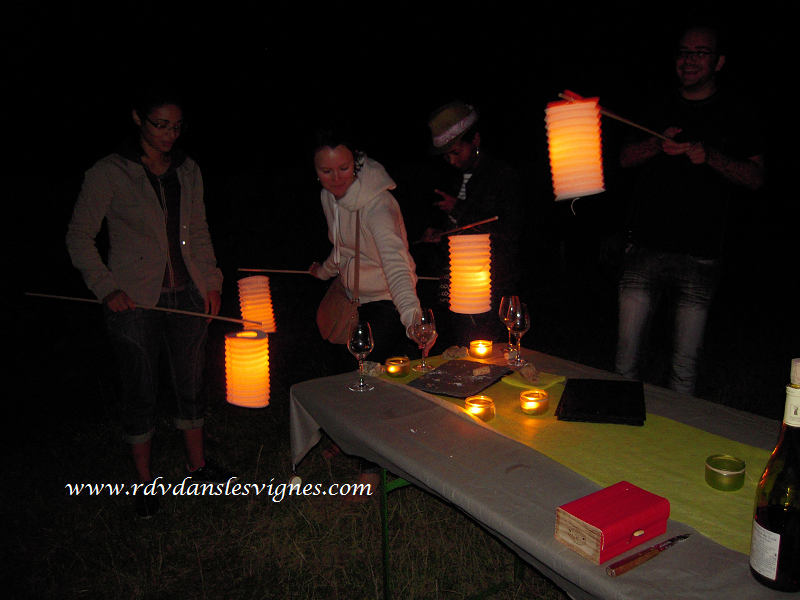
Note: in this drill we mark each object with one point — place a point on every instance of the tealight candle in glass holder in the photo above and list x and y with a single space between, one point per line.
480 348
397 366
534 402
480 406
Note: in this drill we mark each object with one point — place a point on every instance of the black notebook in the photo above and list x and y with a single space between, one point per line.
602 401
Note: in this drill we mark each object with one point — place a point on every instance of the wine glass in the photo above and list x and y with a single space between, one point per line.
360 344
518 323
423 330
506 304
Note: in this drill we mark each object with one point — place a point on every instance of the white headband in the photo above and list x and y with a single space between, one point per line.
456 130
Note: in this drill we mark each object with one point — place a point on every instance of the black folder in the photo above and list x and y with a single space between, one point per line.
602 401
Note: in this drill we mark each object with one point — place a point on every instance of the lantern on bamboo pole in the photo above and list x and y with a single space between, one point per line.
470 275
247 368
574 142
256 302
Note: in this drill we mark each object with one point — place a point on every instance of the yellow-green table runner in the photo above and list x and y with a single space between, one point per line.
664 457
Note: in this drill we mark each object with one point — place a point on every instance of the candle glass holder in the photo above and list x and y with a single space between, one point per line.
397 366
480 406
534 402
480 348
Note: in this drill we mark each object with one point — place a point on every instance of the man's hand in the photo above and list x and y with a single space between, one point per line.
431 236
697 153
447 203
118 301
672 147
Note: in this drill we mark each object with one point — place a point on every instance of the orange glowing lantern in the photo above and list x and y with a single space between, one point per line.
247 368
576 156
470 277
256 303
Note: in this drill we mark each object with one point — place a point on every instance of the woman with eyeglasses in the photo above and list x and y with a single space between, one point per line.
150 195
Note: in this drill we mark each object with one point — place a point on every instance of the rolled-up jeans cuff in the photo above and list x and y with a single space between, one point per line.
140 438
185 424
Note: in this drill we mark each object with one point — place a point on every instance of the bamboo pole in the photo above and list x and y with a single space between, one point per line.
307 273
159 308
464 227
274 271
573 97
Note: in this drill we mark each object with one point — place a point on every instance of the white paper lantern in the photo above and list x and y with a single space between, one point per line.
470 275
247 368
576 151
256 302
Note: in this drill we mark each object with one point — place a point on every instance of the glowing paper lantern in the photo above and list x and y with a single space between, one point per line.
247 368
470 277
256 303
576 156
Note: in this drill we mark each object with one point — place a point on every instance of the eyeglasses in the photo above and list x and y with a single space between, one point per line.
179 128
700 54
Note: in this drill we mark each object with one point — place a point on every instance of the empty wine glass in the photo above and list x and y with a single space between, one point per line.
519 323
423 330
506 304
360 344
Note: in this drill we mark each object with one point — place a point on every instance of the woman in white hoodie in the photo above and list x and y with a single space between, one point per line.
353 183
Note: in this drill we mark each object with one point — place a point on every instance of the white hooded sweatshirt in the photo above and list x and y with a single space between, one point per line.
387 269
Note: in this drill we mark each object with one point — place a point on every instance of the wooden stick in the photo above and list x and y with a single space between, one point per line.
462 228
575 97
307 273
274 271
170 310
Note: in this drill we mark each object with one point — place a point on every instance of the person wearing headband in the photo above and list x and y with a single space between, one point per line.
485 187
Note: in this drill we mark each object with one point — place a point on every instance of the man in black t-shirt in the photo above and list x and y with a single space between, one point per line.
680 206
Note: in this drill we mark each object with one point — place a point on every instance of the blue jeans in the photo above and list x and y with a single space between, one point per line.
141 338
690 284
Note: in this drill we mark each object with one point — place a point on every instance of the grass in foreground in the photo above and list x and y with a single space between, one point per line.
62 546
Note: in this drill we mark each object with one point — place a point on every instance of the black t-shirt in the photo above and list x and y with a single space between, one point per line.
681 207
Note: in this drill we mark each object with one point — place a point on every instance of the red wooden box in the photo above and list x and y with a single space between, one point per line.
611 521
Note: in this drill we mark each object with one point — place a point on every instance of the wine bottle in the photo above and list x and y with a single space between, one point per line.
775 544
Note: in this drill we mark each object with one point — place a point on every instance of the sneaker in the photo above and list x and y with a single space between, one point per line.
145 505
212 472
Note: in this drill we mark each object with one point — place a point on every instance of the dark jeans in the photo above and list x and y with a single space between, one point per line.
139 337
389 338
388 335
692 282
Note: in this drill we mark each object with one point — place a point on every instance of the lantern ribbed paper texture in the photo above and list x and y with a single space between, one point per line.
247 368
256 303
576 151
470 278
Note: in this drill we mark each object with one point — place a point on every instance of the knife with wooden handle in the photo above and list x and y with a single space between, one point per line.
626 564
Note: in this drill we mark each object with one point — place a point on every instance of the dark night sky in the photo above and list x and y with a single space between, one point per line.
256 81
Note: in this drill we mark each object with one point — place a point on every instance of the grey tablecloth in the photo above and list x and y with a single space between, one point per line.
514 490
